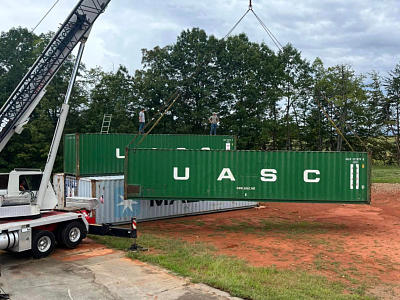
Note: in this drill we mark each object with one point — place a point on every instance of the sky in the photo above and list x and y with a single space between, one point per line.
362 33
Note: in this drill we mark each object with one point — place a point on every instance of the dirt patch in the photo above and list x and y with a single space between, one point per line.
87 249
353 243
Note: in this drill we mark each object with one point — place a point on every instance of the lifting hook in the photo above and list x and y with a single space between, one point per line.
250 5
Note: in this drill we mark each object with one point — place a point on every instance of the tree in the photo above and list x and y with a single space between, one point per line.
341 94
19 48
392 86
249 86
110 93
296 88
234 77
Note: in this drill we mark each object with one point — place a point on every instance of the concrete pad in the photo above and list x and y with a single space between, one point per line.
93 271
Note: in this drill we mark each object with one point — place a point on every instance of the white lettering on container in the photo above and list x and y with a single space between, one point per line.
118 154
186 177
307 178
226 173
268 175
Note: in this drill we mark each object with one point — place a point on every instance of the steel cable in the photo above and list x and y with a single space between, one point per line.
237 23
41 20
269 32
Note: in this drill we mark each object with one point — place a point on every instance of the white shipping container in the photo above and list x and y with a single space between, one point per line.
113 208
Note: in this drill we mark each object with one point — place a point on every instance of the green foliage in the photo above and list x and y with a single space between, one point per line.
110 93
392 85
19 48
269 100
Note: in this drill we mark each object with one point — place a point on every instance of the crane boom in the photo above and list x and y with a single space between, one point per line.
20 105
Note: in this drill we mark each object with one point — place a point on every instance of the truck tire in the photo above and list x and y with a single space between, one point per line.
72 234
43 243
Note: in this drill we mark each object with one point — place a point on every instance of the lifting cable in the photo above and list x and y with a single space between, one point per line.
266 29
334 125
174 98
41 20
237 23
269 32
280 47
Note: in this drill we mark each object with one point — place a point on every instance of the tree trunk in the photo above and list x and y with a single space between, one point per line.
319 129
288 141
276 126
398 133
342 117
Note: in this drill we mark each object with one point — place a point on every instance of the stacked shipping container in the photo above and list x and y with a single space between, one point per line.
169 182
103 154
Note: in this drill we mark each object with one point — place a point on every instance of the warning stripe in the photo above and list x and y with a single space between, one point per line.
134 225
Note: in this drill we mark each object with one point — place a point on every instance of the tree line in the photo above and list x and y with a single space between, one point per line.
269 100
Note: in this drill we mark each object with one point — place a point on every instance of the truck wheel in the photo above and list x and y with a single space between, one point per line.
43 243
72 234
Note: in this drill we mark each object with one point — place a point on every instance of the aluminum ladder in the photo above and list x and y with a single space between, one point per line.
105 127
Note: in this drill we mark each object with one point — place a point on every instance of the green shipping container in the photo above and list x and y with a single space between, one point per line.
103 154
337 177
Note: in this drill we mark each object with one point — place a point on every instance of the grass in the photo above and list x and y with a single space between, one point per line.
385 174
201 263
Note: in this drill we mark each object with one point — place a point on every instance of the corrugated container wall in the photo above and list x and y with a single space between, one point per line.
113 208
341 177
103 154
68 186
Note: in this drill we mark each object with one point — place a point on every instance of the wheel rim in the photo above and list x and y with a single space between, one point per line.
44 244
74 234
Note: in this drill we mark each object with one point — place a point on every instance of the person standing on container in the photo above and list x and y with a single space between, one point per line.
142 120
213 121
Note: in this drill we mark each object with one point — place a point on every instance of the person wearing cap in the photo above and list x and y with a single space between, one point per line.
141 121
213 121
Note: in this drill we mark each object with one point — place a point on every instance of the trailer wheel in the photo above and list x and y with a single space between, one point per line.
72 234
43 243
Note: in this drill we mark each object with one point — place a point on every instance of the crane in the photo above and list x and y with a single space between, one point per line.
16 111
29 219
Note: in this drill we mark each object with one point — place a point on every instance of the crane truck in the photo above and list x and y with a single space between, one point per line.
30 217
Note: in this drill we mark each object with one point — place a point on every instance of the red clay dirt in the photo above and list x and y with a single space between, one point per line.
87 249
340 241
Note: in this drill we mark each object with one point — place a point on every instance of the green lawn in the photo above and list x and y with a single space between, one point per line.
385 174
201 263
